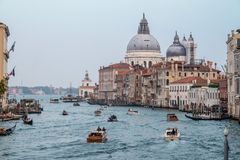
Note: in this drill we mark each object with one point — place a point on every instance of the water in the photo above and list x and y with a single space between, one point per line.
139 137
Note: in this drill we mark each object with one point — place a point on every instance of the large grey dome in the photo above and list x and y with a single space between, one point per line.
176 49
143 41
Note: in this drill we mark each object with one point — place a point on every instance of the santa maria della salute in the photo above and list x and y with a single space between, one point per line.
144 49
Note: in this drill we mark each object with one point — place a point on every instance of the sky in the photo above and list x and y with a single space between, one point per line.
58 40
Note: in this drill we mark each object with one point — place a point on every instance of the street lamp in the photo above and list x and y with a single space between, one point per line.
226 147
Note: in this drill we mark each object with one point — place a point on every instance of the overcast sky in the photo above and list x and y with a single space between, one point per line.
58 40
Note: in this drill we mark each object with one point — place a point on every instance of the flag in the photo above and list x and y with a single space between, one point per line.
12 73
12 48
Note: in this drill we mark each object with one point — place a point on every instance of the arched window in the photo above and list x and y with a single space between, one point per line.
145 64
132 63
149 63
167 73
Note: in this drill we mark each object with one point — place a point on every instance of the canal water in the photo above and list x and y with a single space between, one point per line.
135 137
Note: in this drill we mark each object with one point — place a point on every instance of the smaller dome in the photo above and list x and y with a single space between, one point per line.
176 49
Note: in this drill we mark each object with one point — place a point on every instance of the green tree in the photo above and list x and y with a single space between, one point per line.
3 87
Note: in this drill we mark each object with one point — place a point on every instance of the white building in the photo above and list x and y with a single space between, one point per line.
143 48
233 73
87 88
204 96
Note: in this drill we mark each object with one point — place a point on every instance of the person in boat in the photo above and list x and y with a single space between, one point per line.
99 129
173 131
103 129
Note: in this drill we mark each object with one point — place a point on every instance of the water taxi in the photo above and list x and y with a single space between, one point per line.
98 136
172 117
54 100
172 134
132 112
70 99
76 104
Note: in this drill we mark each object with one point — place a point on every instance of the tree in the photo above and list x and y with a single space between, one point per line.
3 87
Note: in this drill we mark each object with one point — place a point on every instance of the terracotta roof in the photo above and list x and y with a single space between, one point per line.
119 65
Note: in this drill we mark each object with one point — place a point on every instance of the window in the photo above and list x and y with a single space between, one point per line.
167 82
149 63
238 43
213 75
132 63
206 74
167 73
145 64
198 74
185 74
179 74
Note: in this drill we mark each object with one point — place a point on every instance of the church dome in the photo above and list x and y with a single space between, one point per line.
176 49
143 41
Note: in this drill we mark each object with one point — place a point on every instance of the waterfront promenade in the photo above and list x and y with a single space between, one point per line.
54 136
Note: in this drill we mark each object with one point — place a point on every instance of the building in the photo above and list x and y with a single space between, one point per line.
86 90
179 92
233 73
143 49
4 33
107 81
204 96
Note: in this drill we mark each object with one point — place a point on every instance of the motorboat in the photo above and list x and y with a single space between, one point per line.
28 121
172 134
7 131
98 112
76 104
71 99
172 117
97 136
112 118
10 116
31 106
64 113
54 100
132 112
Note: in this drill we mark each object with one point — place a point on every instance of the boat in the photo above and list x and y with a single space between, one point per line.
70 99
64 113
172 134
28 121
54 100
97 113
132 112
97 136
112 118
76 104
206 117
10 116
31 106
172 117
7 131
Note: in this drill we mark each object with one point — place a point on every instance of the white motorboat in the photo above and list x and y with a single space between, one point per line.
172 134
132 112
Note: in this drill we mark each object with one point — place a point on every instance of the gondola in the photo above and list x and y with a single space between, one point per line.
28 121
5 132
206 117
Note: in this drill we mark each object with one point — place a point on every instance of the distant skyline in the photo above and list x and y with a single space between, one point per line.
57 41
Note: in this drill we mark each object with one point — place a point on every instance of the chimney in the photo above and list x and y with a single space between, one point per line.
215 65
232 33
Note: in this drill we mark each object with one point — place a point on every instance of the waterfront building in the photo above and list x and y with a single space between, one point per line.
86 90
4 33
204 95
179 92
233 73
143 49
107 76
